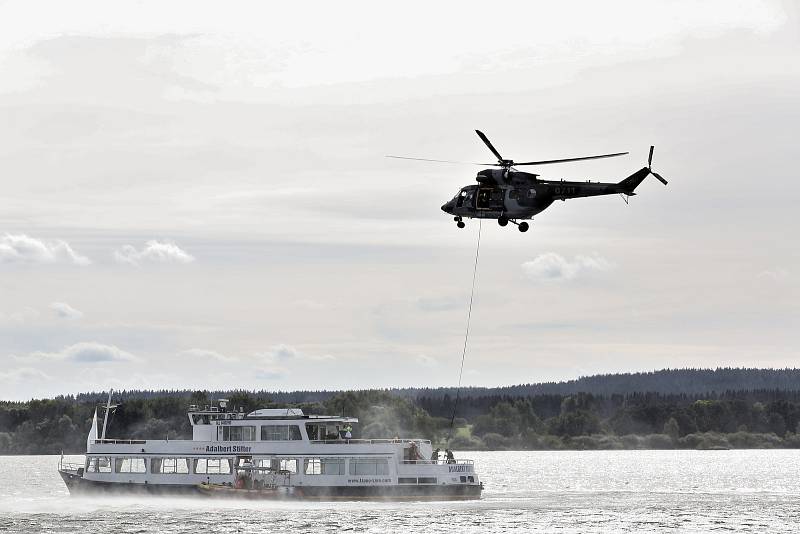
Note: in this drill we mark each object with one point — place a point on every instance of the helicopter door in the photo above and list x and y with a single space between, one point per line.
489 199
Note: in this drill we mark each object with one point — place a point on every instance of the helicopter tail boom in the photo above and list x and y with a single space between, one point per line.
630 183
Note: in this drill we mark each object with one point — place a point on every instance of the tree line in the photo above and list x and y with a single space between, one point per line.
733 418
688 381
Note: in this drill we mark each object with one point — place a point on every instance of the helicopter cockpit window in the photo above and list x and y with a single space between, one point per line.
465 197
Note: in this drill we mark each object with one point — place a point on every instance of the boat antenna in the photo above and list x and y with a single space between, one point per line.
466 334
105 417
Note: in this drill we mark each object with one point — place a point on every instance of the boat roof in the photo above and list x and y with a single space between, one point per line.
277 412
269 413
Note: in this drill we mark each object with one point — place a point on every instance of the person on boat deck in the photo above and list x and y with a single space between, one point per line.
435 456
413 452
348 432
450 458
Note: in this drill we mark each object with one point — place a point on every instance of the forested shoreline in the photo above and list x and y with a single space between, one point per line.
513 417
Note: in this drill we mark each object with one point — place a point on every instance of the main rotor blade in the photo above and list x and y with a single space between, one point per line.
489 144
442 161
650 157
658 177
547 162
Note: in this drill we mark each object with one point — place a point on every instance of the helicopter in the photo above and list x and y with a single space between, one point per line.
512 196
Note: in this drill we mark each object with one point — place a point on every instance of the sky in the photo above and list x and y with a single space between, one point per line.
197 195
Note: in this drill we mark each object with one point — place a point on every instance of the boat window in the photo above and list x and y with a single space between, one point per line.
98 464
322 432
213 466
169 465
323 466
289 464
333 466
236 433
427 480
317 432
312 466
312 431
280 433
282 464
369 466
129 465
200 419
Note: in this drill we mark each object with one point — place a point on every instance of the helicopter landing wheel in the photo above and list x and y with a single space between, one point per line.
523 227
460 224
457 218
502 221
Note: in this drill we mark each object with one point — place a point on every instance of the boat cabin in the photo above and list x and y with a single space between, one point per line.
271 424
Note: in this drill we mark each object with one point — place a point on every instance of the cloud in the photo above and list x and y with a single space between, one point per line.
25 374
205 354
20 248
153 252
280 353
285 353
88 352
65 311
554 267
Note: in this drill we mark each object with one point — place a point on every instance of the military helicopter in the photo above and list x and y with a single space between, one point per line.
511 196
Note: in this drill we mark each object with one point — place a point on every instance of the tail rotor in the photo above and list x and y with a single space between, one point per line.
650 163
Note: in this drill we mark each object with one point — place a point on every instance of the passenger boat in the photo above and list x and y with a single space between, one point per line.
270 454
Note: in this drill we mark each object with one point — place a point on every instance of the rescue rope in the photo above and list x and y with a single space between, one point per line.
466 334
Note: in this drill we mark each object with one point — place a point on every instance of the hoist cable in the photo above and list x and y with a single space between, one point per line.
466 334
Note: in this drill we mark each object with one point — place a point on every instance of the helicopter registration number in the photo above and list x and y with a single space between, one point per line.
568 190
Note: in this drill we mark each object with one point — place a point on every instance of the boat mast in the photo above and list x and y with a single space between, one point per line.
105 417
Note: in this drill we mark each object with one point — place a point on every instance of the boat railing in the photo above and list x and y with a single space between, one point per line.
119 442
439 462
344 441
69 466
64 466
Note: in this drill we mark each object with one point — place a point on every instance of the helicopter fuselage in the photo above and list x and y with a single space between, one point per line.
518 195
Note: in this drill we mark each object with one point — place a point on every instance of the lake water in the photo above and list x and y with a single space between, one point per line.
604 491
